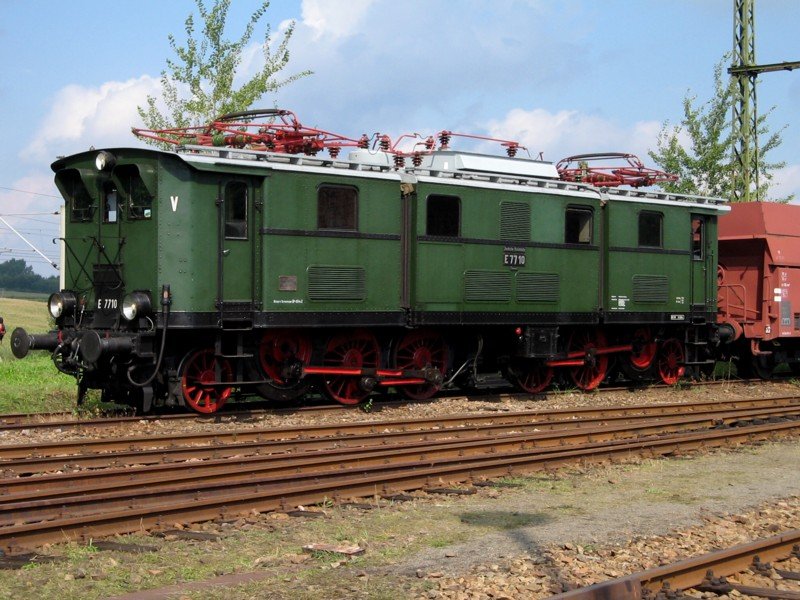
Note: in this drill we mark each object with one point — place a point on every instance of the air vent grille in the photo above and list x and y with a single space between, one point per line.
515 221
538 287
337 283
650 288
487 286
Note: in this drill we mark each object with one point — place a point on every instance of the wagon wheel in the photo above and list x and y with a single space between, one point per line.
198 374
532 376
638 364
419 350
357 349
589 376
671 361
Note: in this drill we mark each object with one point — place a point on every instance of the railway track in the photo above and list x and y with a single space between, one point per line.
102 452
341 462
69 420
710 573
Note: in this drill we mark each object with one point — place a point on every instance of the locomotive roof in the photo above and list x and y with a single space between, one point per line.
446 167
441 166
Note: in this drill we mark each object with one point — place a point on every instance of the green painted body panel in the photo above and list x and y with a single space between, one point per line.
297 252
443 270
287 264
187 236
131 244
656 280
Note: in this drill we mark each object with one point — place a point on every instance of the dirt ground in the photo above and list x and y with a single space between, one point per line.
521 538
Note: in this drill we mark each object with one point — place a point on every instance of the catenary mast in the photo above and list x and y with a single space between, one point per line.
745 108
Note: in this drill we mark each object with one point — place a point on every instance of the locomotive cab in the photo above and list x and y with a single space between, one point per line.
106 316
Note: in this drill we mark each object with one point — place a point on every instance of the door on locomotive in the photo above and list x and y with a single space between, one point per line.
107 273
237 235
701 267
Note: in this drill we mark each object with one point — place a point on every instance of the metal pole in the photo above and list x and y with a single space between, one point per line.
24 239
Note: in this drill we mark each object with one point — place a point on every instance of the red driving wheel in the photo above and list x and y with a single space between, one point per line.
531 376
282 347
356 349
671 361
201 371
591 374
416 351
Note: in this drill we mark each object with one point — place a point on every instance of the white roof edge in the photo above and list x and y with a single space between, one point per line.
381 166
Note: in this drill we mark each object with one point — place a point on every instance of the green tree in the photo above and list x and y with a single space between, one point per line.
198 85
700 149
18 276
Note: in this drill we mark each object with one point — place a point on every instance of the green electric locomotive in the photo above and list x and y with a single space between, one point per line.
244 262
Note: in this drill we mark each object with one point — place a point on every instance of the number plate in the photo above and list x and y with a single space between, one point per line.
513 256
108 304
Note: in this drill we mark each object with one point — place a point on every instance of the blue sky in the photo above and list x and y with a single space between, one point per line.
561 76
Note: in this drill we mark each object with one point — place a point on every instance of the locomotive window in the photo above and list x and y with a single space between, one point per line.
78 198
444 216
650 229
139 198
110 203
578 225
236 211
697 238
337 207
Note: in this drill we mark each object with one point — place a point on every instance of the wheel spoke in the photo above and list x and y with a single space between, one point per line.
670 361
199 370
590 375
358 349
530 376
418 350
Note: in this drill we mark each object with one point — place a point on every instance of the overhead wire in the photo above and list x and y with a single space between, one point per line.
29 192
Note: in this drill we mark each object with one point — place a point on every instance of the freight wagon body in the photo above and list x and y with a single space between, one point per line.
759 286
195 275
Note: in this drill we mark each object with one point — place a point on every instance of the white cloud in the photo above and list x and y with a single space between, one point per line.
81 116
787 182
567 132
332 19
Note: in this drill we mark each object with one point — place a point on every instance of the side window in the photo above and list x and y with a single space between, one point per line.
698 235
110 203
236 210
443 216
578 225
79 201
337 207
651 229
138 197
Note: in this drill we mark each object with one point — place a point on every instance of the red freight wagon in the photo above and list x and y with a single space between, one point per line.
759 286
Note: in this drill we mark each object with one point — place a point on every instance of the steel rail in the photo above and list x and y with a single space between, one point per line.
691 572
96 445
264 494
28 492
54 485
21 421
603 428
111 494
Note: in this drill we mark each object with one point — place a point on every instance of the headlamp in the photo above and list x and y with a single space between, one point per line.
104 161
135 305
62 303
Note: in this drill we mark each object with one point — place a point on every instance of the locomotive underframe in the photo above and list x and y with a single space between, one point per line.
529 353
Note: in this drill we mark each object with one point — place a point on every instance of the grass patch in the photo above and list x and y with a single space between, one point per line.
32 384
